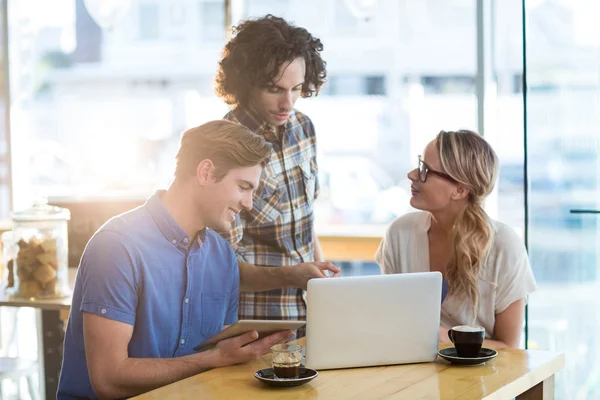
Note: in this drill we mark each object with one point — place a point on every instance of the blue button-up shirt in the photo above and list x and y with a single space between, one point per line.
142 269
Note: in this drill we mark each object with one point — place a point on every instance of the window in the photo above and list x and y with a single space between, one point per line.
355 85
344 21
212 20
368 118
5 154
448 84
105 123
149 21
518 83
564 175
178 15
260 8
375 85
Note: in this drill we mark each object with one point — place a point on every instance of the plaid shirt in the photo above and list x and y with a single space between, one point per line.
278 231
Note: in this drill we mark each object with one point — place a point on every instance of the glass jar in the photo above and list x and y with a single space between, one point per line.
36 253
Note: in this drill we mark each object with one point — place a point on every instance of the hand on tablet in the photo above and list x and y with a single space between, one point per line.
245 347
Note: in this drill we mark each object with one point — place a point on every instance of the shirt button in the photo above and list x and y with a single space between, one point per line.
174 241
187 300
103 311
186 240
182 341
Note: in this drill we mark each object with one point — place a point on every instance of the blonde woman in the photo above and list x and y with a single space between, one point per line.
483 262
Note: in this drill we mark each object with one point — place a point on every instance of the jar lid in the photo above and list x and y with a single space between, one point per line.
41 212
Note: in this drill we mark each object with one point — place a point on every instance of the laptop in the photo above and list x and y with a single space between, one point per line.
365 321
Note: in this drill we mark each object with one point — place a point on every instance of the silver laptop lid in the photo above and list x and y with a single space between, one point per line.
373 320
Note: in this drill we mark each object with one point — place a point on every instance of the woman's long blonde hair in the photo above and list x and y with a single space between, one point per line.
469 159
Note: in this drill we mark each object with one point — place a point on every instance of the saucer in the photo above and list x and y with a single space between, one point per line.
449 354
266 376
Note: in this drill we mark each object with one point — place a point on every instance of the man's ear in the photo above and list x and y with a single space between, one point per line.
460 192
204 172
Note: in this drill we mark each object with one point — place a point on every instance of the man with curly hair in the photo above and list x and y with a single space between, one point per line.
266 66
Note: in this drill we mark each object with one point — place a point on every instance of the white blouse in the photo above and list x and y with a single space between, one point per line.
505 274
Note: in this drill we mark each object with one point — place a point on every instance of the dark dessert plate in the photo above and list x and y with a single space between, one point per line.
266 376
450 355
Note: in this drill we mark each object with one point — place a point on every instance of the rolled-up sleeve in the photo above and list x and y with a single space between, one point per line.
108 278
515 277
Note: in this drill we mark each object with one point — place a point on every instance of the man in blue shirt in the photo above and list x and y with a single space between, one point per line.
156 281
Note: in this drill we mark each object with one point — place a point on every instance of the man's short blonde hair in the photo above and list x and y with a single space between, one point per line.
227 144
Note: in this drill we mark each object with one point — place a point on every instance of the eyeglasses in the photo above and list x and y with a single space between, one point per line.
425 170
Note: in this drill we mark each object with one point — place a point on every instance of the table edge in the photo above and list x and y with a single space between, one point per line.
543 372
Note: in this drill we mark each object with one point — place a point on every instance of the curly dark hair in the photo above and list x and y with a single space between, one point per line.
254 55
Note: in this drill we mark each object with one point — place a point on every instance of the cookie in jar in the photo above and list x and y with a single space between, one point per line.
37 259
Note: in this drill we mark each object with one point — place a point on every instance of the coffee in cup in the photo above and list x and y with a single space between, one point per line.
287 359
286 371
467 339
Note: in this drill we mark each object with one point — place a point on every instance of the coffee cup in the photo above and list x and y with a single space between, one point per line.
467 339
287 359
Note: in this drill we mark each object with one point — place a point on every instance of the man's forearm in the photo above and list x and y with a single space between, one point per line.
259 279
138 375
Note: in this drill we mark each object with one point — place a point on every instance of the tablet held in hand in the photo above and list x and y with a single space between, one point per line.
263 327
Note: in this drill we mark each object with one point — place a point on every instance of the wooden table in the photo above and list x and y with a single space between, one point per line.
524 374
50 334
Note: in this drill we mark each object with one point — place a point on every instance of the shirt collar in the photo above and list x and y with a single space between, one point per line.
167 225
251 121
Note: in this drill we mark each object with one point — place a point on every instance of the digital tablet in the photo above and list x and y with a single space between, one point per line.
263 327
